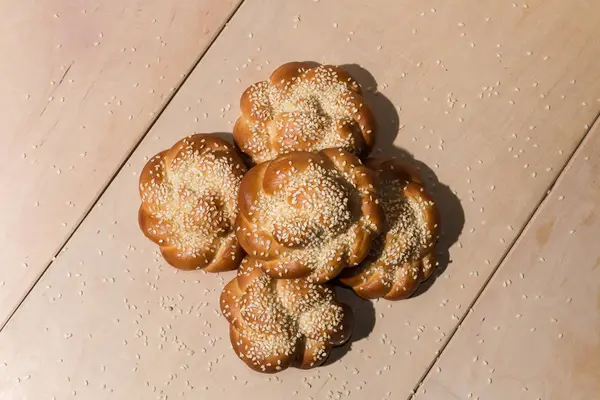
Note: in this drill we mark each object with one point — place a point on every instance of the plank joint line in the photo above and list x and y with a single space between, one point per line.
126 158
595 123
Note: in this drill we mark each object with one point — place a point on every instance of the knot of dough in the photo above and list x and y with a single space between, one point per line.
403 256
309 215
278 323
304 107
189 203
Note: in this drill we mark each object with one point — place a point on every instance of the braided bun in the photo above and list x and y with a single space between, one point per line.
403 256
281 323
309 215
303 107
189 203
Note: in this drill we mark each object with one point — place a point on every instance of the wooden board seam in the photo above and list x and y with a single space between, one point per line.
93 203
594 125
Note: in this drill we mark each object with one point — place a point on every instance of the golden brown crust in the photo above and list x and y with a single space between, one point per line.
304 106
279 323
403 256
309 215
189 203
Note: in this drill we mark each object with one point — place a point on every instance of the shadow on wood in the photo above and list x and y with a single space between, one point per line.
364 321
452 216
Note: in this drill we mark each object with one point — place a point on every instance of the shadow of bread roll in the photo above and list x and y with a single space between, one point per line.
304 106
309 215
281 323
403 256
189 203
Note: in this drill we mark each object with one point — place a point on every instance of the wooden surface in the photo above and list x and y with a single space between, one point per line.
80 83
494 98
534 332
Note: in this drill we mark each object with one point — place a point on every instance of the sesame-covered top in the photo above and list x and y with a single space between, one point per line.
189 202
403 255
304 106
309 215
278 323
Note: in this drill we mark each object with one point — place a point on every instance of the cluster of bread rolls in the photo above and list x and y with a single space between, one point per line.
307 215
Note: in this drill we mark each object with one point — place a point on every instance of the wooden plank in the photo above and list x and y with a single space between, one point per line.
494 123
533 333
81 82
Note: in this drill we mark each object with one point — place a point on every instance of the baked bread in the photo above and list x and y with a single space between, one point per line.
309 215
189 203
403 256
304 106
281 323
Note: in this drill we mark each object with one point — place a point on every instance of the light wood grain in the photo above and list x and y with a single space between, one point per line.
495 123
534 332
80 83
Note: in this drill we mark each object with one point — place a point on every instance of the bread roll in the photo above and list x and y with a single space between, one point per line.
281 323
309 215
403 256
189 203
304 107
